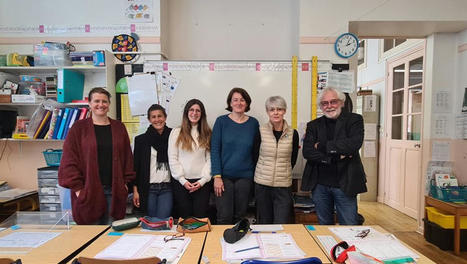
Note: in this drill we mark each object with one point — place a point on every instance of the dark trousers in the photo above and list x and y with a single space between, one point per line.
191 204
233 204
106 219
274 205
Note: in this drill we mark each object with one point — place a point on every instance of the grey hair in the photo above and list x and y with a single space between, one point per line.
275 101
340 95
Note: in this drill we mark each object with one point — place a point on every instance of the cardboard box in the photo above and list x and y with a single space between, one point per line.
27 98
5 98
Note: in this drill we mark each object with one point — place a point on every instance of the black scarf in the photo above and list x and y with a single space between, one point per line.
159 142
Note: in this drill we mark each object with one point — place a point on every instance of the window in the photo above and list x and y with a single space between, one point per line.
361 52
392 43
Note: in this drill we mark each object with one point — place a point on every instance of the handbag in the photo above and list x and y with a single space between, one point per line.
193 225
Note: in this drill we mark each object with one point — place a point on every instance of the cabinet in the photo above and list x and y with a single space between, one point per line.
93 77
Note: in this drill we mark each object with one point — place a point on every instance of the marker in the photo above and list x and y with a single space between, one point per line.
245 249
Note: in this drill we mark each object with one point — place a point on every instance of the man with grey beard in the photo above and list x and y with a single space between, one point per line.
334 171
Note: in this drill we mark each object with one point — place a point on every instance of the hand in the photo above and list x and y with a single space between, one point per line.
136 198
316 145
77 193
195 186
218 186
126 187
188 186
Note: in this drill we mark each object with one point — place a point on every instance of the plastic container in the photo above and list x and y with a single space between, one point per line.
456 194
442 237
51 54
444 220
52 157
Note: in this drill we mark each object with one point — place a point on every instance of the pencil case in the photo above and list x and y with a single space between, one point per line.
125 224
154 223
193 225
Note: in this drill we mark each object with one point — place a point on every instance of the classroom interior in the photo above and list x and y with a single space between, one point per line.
392 32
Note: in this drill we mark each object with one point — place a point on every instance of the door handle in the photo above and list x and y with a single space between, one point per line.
417 145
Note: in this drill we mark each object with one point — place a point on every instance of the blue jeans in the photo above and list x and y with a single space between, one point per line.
326 198
160 200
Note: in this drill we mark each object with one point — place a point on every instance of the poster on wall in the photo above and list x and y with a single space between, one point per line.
139 11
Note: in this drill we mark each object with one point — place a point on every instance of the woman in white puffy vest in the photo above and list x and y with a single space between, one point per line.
278 151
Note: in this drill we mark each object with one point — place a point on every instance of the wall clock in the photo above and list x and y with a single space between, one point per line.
346 45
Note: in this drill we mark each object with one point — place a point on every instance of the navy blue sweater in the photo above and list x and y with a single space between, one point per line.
232 147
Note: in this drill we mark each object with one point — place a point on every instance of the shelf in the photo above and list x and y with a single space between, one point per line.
31 140
47 69
36 104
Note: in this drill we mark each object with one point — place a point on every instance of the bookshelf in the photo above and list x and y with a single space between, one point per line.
93 77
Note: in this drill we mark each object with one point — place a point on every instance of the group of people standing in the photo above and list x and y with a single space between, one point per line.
174 171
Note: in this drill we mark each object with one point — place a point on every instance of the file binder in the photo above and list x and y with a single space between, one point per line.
70 85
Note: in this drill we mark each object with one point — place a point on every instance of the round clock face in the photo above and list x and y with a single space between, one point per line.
346 45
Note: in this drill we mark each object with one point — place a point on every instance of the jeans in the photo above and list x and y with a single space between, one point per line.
327 198
274 205
233 204
160 200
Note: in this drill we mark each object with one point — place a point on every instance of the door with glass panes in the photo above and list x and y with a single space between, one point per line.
403 134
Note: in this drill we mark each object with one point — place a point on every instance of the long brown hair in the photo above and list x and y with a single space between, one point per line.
184 138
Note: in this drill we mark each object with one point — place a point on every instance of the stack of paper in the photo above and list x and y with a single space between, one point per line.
376 244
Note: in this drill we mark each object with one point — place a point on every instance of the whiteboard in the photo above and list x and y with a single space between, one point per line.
74 18
212 88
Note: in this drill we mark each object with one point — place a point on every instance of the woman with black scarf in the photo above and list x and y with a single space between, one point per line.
152 192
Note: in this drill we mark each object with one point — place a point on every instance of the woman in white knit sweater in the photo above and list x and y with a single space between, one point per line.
190 162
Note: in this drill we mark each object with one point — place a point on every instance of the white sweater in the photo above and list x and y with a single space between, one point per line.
184 164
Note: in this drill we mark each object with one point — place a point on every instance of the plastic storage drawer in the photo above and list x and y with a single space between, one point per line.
47 183
49 199
47 173
51 207
49 191
444 220
442 237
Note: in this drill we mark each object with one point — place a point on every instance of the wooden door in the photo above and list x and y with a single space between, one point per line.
403 134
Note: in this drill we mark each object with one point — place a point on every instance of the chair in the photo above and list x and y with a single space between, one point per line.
8 261
312 260
84 260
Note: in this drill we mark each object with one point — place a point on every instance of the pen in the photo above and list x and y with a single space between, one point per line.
245 249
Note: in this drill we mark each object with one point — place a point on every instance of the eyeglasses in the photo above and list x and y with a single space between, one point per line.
177 236
363 233
333 102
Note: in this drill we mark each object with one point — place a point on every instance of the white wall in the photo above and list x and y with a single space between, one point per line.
232 30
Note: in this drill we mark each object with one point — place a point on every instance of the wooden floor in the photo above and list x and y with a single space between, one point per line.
405 229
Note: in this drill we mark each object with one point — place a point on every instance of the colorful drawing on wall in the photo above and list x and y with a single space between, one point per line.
138 10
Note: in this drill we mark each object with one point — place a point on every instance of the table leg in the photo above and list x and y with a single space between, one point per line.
457 235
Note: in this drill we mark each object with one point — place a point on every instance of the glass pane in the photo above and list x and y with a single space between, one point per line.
415 99
416 71
398 77
414 123
396 127
397 102
400 41
388 44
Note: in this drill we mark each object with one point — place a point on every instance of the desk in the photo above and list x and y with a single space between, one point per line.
59 248
191 254
324 230
213 249
457 210
27 201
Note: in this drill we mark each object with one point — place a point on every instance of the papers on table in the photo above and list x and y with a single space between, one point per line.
131 246
376 244
26 239
266 228
271 246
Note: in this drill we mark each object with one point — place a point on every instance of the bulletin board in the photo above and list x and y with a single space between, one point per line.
79 18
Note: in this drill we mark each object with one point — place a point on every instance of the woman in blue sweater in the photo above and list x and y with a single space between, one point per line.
232 158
